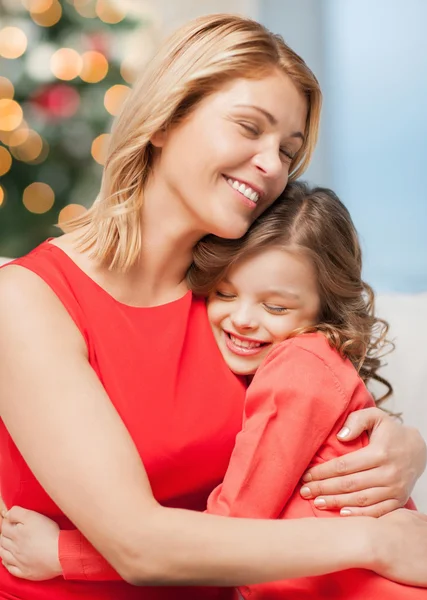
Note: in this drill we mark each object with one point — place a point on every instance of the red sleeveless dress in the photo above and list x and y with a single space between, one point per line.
182 406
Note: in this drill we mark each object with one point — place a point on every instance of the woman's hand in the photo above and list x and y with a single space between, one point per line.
376 479
29 545
400 547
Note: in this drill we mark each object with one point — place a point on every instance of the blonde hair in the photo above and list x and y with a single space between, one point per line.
193 63
315 222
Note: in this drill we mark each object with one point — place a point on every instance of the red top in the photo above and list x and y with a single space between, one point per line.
181 404
296 404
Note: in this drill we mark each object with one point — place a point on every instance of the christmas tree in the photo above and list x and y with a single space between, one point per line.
65 69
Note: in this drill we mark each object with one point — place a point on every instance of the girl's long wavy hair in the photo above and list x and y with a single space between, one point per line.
194 62
315 222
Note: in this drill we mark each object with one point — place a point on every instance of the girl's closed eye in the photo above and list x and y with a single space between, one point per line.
224 295
276 310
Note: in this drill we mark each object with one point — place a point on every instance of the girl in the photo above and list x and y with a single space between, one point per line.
288 303
118 413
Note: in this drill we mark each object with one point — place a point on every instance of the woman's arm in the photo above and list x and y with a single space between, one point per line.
393 461
67 430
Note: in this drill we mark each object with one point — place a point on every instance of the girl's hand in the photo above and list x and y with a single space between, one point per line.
376 479
29 545
400 547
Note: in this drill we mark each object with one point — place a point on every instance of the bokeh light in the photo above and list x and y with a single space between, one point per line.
66 64
49 17
6 88
114 98
95 67
10 114
128 71
38 198
37 6
109 13
30 149
85 8
18 136
71 211
1 195
5 160
99 148
13 42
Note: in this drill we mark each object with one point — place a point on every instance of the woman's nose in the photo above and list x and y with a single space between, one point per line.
269 162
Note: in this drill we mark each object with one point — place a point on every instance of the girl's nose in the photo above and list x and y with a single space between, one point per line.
244 320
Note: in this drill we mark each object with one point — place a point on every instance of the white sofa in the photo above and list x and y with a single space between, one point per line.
406 367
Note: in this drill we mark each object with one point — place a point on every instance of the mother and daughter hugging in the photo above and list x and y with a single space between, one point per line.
202 286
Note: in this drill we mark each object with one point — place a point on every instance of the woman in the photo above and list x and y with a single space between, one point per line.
101 322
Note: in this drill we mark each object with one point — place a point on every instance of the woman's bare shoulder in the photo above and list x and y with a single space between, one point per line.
27 301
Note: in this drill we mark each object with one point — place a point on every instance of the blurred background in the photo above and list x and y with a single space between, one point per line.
66 66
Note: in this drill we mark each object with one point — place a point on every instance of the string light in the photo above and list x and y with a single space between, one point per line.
10 114
38 198
66 64
71 211
13 42
99 148
49 17
5 161
95 67
114 98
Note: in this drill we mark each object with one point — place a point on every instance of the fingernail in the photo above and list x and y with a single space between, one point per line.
305 492
345 512
344 432
320 503
307 477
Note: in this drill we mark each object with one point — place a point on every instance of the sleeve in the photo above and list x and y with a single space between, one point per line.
81 561
292 405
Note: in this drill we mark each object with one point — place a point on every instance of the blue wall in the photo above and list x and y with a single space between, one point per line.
371 59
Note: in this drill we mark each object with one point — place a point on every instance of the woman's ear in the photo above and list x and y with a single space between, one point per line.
158 139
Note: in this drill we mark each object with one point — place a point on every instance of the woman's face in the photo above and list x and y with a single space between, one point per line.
262 300
230 158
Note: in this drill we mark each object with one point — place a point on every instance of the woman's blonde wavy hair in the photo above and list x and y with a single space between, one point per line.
193 63
315 222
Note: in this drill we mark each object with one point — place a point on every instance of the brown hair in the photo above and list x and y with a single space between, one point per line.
194 62
313 221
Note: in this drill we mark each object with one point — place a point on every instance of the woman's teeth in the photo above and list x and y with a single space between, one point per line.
244 189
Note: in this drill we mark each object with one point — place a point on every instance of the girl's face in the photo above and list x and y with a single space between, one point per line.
230 158
261 301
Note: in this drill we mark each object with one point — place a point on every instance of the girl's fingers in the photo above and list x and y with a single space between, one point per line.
7 558
8 530
7 544
16 515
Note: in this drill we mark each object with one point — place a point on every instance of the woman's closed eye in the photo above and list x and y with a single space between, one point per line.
276 310
250 128
287 153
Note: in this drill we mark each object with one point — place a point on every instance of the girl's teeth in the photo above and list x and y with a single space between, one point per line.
244 343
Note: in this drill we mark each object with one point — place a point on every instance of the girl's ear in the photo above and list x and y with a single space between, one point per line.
158 139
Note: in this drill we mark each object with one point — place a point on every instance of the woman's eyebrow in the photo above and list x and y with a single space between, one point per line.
271 118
